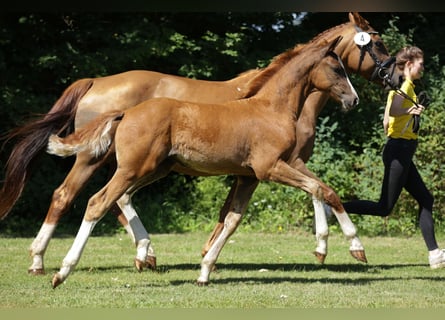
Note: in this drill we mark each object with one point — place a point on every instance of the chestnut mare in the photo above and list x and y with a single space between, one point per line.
252 138
87 98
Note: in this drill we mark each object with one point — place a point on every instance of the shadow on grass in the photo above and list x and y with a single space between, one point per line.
303 267
343 270
307 267
274 280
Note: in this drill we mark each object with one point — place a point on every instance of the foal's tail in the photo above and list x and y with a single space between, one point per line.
96 137
33 137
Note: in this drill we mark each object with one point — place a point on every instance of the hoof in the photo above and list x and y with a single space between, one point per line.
359 255
36 272
57 280
320 256
139 264
202 283
149 263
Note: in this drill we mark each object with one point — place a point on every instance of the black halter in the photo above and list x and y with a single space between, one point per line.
381 68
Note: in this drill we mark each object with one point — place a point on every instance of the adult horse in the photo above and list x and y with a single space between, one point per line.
87 98
252 138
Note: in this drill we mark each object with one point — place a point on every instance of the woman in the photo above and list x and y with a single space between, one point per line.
400 170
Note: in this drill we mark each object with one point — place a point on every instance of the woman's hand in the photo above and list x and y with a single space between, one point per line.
416 110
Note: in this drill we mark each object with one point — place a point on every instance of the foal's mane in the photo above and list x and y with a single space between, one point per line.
282 59
277 63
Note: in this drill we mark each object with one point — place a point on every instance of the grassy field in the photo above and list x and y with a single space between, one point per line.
254 271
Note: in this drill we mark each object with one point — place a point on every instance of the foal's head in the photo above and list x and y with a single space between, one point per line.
329 75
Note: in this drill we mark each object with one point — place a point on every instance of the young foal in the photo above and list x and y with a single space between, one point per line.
252 138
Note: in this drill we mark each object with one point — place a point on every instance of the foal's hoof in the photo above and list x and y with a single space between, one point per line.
359 255
320 256
57 280
202 283
149 263
36 271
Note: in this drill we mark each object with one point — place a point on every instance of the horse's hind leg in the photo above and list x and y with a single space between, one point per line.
61 201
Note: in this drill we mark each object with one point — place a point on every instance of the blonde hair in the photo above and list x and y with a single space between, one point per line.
406 54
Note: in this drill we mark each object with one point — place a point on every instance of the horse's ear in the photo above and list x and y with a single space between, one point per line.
358 20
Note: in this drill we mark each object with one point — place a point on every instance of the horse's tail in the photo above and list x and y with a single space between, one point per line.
96 137
33 137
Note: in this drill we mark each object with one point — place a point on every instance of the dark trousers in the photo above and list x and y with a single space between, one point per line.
400 172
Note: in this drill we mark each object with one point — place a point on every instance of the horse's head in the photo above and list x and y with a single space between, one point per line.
329 75
363 52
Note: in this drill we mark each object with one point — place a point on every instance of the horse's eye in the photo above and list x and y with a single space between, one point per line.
340 71
380 46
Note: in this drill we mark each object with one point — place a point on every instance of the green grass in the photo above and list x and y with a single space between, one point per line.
254 271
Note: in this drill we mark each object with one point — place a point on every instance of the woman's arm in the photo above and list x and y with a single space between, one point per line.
397 110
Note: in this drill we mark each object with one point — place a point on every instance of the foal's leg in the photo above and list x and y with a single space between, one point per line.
62 199
288 175
119 209
322 231
321 225
97 207
222 215
124 182
145 256
241 196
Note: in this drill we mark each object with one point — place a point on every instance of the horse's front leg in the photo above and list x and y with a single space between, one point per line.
241 196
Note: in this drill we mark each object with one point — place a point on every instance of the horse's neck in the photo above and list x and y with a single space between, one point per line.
288 88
